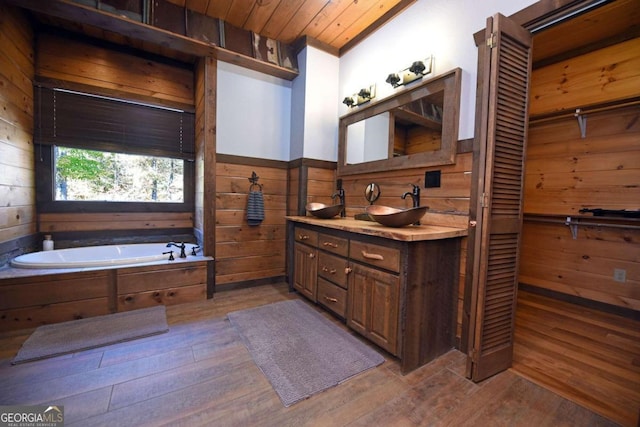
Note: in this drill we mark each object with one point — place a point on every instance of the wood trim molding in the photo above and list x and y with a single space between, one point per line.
251 161
464 146
313 163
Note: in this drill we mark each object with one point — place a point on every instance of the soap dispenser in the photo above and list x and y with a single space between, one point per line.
47 243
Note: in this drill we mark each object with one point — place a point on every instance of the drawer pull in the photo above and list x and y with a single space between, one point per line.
330 244
330 299
312 255
347 270
372 256
326 270
303 237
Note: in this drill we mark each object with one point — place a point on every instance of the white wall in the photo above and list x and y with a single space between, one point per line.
266 117
314 123
253 113
443 28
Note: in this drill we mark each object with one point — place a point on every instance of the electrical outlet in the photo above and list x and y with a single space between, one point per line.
619 275
432 179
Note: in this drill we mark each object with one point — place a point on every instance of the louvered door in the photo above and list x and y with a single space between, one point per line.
498 212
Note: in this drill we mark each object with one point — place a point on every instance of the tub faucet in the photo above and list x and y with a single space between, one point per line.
415 195
181 246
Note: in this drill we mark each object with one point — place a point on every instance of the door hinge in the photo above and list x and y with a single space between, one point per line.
491 41
484 201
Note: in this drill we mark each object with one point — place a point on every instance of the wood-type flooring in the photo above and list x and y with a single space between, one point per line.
200 374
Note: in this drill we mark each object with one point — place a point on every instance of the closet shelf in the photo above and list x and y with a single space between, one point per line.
575 221
608 106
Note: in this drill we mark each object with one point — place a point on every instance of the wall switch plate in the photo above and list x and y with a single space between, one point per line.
432 179
619 275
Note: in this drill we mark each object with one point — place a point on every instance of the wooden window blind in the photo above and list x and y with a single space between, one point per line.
81 120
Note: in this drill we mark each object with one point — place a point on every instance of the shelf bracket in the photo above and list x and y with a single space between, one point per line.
582 123
573 226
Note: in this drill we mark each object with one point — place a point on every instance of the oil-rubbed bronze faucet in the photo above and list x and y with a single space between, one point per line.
340 194
181 246
415 195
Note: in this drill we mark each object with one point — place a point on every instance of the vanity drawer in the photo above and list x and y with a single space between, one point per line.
305 236
333 268
375 255
333 297
336 245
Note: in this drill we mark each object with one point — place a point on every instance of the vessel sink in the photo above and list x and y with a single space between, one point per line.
393 217
320 210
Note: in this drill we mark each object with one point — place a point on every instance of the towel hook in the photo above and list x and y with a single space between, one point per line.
254 181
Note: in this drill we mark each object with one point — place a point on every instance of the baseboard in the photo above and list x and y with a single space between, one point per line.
250 283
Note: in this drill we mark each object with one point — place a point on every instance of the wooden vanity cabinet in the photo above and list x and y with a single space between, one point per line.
401 295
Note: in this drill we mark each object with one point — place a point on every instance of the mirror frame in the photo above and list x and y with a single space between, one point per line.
450 83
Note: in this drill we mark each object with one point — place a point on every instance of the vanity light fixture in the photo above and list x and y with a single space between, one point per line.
348 101
365 95
417 70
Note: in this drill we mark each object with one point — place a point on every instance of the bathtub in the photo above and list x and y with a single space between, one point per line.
97 256
66 284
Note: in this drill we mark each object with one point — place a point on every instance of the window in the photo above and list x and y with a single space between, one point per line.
103 176
101 154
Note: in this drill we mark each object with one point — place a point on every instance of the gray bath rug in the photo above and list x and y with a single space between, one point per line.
83 334
299 351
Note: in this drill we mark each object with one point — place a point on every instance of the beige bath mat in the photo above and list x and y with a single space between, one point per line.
76 335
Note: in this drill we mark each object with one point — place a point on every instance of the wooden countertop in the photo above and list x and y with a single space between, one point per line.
410 233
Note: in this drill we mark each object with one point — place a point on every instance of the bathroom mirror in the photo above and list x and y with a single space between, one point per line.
372 192
415 127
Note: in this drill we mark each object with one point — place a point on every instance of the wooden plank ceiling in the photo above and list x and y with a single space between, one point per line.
335 23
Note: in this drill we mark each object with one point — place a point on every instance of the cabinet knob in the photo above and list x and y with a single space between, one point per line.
312 255
372 256
347 270
302 237
330 244
330 299
473 223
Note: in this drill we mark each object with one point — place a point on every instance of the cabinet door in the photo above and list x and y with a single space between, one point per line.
305 270
374 305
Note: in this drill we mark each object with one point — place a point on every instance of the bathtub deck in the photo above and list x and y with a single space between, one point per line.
34 297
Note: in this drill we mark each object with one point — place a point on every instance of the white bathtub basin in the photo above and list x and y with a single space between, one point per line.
97 256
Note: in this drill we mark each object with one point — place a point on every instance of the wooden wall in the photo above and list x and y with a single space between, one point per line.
111 71
566 173
448 204
247 253
17 180
310 181
93 67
